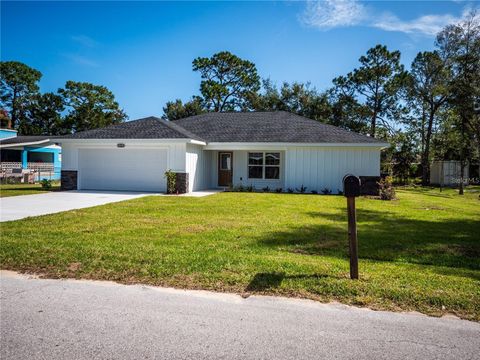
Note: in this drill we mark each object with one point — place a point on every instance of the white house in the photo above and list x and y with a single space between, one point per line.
217 150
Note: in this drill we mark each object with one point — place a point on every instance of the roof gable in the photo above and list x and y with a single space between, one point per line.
146 128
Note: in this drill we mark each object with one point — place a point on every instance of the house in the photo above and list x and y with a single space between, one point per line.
218 150
37 154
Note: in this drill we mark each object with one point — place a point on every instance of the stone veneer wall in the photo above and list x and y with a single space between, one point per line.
68 180
369 185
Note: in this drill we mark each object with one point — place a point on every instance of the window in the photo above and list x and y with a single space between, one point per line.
264 165
225 161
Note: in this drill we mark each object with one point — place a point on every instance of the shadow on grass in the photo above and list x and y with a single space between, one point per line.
267 281
383 236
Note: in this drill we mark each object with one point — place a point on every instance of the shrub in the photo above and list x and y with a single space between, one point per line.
46 184
340 192
302 189
250 188
290 190
239 188
314 192
326 191
266 189
278 190
386 189
171 181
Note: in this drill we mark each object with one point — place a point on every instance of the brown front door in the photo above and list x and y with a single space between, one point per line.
225 163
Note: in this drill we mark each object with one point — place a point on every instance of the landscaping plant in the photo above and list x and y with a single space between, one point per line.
46 184
171 181
386 189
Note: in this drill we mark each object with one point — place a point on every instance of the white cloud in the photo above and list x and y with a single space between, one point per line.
329 14
428 24
81 60
85 40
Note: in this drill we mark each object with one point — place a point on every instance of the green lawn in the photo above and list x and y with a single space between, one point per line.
421 252
24 189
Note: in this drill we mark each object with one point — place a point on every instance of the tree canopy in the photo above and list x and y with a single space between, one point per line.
90 106
18 85
227 81
377 82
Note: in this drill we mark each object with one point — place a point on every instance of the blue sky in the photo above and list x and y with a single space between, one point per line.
143 51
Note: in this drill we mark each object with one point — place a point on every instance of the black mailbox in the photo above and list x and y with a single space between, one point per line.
351 186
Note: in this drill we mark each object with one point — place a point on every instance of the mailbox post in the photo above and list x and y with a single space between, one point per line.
351 190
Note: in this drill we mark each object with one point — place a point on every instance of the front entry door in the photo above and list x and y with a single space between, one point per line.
225 160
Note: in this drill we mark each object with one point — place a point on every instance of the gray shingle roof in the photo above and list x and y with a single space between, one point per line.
25 139
277 126
146 128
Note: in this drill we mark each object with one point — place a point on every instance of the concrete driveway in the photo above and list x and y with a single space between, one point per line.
19 207
71 319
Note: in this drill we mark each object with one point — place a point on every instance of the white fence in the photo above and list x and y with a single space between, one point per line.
40 170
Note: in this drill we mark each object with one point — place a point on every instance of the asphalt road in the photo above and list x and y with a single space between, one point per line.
68 319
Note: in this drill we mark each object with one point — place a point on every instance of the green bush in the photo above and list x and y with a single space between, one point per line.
171 181
46 184
302 189
239 188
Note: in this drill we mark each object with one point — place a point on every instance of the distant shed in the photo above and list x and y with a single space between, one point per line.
447 173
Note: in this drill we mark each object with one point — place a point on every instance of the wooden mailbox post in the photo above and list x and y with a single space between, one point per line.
351 190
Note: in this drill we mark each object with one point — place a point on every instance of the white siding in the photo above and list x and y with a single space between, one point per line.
198 166
318 168
314 167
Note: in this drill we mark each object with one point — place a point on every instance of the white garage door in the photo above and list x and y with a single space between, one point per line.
122 169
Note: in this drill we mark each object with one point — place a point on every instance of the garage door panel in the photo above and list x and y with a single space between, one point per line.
123 169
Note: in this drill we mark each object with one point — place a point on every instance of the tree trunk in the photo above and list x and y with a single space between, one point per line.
373 124
426 152
462 174
14 109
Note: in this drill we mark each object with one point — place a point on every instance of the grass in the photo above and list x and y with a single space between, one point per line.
25 189
420 252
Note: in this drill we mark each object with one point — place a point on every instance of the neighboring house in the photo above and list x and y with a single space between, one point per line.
218 150
35 153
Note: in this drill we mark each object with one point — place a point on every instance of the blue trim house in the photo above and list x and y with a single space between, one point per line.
38 153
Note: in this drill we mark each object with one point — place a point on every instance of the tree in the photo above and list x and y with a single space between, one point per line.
377 82
460 45
297 98
90 106
403 156
227 81
44 116
18 84
347 112
427 92
174 110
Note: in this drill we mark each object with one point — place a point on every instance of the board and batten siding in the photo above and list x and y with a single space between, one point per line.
320 168
198 164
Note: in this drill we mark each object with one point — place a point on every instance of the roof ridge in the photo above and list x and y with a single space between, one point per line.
178 128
